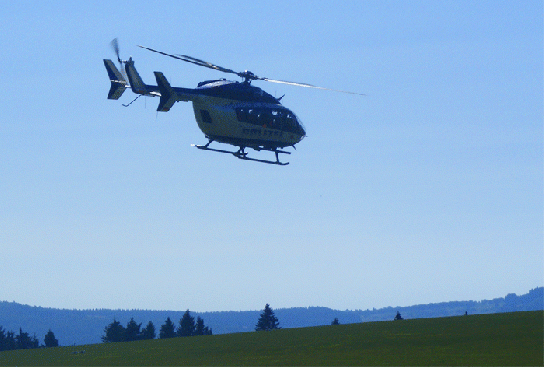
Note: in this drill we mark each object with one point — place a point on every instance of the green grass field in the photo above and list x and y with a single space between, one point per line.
497 339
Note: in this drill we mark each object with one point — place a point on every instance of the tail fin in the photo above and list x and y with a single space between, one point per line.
168 95
136 83
118 83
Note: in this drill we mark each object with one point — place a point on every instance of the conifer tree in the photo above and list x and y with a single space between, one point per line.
34 342
50 340
199 329
186 325
11 343
114 332
3 339
132 331
267 321
7 340
23 340
167 330
149 331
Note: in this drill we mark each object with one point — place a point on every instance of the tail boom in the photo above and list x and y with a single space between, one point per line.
168 95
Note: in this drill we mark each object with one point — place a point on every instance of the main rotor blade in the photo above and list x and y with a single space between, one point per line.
247 75
193 60
209 65
306 85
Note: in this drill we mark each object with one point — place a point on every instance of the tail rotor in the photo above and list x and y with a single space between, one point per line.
115 45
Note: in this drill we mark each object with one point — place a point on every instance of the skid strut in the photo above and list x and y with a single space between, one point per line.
242 154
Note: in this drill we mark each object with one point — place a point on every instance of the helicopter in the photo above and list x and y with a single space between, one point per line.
229 112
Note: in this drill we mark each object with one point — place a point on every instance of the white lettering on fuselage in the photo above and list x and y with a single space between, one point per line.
262 132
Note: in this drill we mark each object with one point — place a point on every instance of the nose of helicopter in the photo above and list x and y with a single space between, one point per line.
300 128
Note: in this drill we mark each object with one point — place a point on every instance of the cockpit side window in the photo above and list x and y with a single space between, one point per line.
278 117
274 118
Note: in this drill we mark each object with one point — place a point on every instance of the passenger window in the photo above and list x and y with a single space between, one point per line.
206 116
253 116
265 117
241 114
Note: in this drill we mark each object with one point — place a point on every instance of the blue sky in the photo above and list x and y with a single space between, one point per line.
428 189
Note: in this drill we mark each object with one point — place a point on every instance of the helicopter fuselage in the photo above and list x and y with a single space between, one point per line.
243 115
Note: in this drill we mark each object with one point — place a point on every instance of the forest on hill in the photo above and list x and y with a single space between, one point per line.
77 327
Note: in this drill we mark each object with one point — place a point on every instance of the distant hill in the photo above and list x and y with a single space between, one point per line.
77 327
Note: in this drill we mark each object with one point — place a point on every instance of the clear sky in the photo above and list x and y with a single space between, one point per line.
428 189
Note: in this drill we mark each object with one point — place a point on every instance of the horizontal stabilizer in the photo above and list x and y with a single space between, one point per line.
118 82
168 95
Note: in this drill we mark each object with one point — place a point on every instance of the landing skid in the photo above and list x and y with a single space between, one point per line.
241 154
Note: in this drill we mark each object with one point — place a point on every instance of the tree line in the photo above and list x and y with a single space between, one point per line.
11 341
115 332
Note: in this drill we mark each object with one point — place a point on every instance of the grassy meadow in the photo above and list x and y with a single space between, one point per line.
495 339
